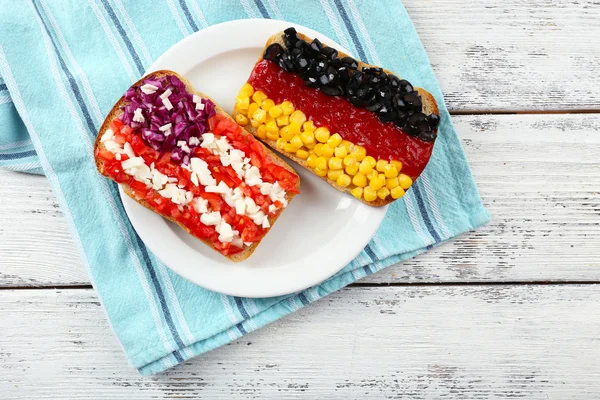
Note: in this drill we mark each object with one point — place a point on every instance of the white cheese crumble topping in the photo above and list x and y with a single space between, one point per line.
166 94
183 146
165 127
148 88
108 135
136 167
137 115
211 218
201 174
176 194
198 101
167 103
201 205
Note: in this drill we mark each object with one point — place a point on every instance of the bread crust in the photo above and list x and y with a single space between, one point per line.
429 107
116 112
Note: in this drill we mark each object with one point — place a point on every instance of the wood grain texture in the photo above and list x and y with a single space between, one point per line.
512 54
36 247
484 342
538 174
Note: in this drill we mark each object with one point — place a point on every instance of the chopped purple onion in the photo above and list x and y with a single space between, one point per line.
186 120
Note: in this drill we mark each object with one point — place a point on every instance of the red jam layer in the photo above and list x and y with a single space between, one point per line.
359 126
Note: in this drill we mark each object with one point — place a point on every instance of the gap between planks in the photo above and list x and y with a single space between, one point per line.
361 285
524 112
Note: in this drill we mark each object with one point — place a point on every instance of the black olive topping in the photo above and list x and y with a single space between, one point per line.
272 51
391 98
329 52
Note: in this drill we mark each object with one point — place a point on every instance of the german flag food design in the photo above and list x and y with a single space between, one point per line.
179 154
359 127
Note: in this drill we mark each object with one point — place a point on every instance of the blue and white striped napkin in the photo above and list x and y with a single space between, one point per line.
63 66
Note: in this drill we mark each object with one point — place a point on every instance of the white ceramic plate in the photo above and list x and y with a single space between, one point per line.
321 230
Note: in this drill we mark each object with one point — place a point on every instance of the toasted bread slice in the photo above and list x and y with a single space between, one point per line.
116 112
429 107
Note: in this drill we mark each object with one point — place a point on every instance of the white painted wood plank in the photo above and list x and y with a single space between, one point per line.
538 174
512 54
456 342
36 247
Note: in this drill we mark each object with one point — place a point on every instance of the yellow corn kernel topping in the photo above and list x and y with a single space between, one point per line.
372 174
391 183
242 103
259 96
282 120
322 134
352 169
340 151
372 162
359 152
343 180
335 163
267 104
242 120
348 145
369 194
309 126
286 134
334 174
311 160
357 192
350 159
321 172
308 138
298 117
390 171
287 107
271 126
252 109
272 135
334 140
261 131
289 148
274 111
327 151
321 163
302 154
365 167
296 141
398 164
260 115
383 193
327 154
376 183
404 181
294 127
246 90
380 166
359 180
397 192
280 143
318 149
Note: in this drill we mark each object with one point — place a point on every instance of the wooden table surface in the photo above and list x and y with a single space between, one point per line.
508 311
